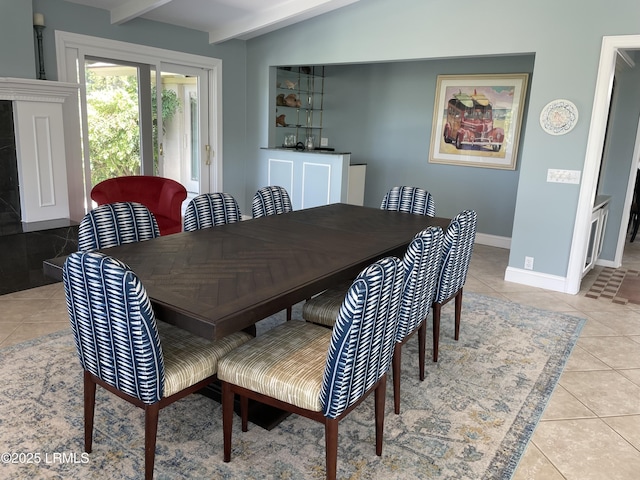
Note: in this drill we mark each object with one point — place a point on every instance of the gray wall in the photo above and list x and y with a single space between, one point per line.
383 113
566 53
17 38
382 31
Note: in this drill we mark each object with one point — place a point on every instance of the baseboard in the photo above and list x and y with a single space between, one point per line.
536 279
493 240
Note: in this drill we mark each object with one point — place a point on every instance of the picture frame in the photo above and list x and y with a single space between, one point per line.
477 120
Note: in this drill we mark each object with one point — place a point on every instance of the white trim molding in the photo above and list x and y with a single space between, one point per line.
45 121
537 279
493 240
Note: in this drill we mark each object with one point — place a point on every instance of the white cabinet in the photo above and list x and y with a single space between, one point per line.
316 178
596 235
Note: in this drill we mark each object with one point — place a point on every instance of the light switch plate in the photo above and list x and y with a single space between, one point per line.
324 142
563 176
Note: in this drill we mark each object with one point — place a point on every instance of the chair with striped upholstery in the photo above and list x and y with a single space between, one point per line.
410 200
114 224
456 257
125 350
210 210
319 373
421 268
270 200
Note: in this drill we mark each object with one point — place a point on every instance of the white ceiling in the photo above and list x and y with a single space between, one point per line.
222 19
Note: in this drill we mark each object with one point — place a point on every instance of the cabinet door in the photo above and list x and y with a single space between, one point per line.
591 254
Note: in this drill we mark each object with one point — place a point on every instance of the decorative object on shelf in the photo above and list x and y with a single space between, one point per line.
477 119
280 121
559 117
292 101
310 143
298 93
290 140
38 26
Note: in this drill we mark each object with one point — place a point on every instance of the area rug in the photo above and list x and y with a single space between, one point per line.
471 418
617 285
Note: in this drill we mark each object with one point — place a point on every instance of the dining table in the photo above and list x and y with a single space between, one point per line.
220 280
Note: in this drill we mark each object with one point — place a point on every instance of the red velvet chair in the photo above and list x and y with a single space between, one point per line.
163 196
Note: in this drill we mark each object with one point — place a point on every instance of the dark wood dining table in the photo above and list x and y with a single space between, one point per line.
220 280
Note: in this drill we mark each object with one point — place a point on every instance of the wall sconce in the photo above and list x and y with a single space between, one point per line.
38 26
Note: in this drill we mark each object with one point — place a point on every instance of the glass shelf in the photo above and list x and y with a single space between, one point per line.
303 88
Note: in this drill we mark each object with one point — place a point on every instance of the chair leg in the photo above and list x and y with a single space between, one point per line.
380 394
289 309
150 434
395 365
436 329
458 312
636 221
227 419
422 342
89 410
244 412
331 447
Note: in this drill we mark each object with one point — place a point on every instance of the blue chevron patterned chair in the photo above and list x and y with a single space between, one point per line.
319 373
456 257
271 200
410 200
421 268
125 350
114 224
210 210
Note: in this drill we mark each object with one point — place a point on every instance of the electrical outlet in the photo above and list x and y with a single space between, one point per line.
528 263
324 142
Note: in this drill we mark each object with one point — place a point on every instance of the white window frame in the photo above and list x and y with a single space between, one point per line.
71 50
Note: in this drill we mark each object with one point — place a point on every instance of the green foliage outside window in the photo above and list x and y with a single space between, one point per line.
113 124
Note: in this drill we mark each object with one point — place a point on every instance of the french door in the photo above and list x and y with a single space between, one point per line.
144 111
186 152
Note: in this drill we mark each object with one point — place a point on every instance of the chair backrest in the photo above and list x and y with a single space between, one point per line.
409 200
115 224
113 325
363 336
456 254
163 196
271 200
421 267
210 210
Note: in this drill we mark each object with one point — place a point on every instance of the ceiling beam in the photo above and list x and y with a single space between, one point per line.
133 9
268 20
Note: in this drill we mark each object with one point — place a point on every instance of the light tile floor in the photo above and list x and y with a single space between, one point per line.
591 427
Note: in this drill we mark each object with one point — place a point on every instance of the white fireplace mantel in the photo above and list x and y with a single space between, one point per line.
45 117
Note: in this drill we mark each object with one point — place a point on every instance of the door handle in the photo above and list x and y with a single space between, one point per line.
208 149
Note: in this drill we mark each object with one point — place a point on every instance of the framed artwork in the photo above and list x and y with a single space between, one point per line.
477 119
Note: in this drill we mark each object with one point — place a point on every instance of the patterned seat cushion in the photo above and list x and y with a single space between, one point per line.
189 358
323 309
286 363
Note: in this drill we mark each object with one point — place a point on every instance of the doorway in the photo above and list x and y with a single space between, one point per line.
612 46
160 81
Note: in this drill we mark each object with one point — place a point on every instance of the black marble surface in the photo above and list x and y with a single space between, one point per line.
24 246
22 253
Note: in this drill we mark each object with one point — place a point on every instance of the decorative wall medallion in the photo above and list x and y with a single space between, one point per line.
559 117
